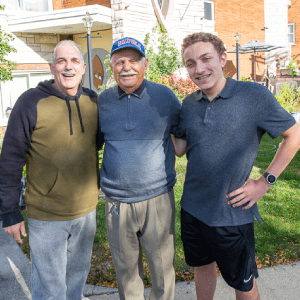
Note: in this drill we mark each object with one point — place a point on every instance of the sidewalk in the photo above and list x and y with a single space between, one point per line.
10 288
279 283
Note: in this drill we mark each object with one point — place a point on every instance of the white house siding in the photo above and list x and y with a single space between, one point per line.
186 19
276 30
136 18
132 19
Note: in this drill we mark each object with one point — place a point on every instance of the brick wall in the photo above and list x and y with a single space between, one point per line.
60 4
294 17
246 17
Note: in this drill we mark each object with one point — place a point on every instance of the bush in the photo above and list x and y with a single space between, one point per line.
289 97
164 57
245 79
181 87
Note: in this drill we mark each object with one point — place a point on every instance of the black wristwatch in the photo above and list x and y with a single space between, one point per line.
270 178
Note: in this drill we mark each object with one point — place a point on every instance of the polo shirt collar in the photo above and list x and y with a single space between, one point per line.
227 92
137 92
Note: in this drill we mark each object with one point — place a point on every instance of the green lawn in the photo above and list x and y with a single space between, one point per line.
277 237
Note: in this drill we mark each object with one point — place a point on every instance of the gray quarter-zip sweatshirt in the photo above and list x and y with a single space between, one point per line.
139 159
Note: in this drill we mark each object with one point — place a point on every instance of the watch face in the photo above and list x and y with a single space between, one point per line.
271 178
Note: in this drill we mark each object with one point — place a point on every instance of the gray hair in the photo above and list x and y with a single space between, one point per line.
67 42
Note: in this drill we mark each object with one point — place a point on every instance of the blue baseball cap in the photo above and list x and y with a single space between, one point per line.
128 43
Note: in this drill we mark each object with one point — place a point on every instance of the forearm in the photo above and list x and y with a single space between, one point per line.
253 190
179 146
286 151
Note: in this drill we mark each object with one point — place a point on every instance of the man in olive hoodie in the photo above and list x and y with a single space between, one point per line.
52 129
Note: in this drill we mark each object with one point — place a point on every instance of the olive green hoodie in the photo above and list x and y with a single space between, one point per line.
55 135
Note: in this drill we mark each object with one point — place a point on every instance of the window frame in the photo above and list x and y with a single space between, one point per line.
212 10
293 34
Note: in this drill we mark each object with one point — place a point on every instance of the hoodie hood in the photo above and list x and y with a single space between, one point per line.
47 87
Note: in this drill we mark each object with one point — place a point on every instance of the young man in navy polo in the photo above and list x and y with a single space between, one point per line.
221 126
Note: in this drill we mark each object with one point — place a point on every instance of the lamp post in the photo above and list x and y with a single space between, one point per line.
88 22
237 40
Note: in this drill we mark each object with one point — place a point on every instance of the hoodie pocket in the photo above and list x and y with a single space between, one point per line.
41 175
52 187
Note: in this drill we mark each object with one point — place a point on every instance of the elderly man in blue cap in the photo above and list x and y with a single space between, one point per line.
136 118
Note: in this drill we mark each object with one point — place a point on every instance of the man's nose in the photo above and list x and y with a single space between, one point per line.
69 65
126 65
199 67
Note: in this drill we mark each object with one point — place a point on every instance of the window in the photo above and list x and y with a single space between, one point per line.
11 90
208 10
209 18
100 73
291 33
29 5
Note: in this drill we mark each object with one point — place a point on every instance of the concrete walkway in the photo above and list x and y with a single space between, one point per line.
279 283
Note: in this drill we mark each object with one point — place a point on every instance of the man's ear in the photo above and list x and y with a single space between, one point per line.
146 63
84 67
51 68
223 59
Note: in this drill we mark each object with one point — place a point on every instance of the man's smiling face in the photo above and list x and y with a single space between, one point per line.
67 69
129 69
205 67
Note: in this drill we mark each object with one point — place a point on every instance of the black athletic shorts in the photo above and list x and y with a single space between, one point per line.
231 247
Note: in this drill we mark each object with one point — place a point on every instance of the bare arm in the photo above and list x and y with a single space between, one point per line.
179 146
15 231
253 190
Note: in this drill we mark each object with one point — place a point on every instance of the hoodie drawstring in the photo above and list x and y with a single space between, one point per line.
70 114
79 114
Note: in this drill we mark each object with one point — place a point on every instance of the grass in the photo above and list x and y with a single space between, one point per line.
277 237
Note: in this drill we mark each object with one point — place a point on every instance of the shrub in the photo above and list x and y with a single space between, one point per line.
289 97
245 79
6 66
181 86
164 57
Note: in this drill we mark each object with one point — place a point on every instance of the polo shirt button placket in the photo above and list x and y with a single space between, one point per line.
206 119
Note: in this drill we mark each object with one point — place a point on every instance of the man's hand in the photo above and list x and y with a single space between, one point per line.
249 193
15 230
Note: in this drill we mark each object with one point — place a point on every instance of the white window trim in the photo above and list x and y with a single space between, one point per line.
294 35
50 5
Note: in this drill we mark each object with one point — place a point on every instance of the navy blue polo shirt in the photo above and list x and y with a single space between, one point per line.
223 137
